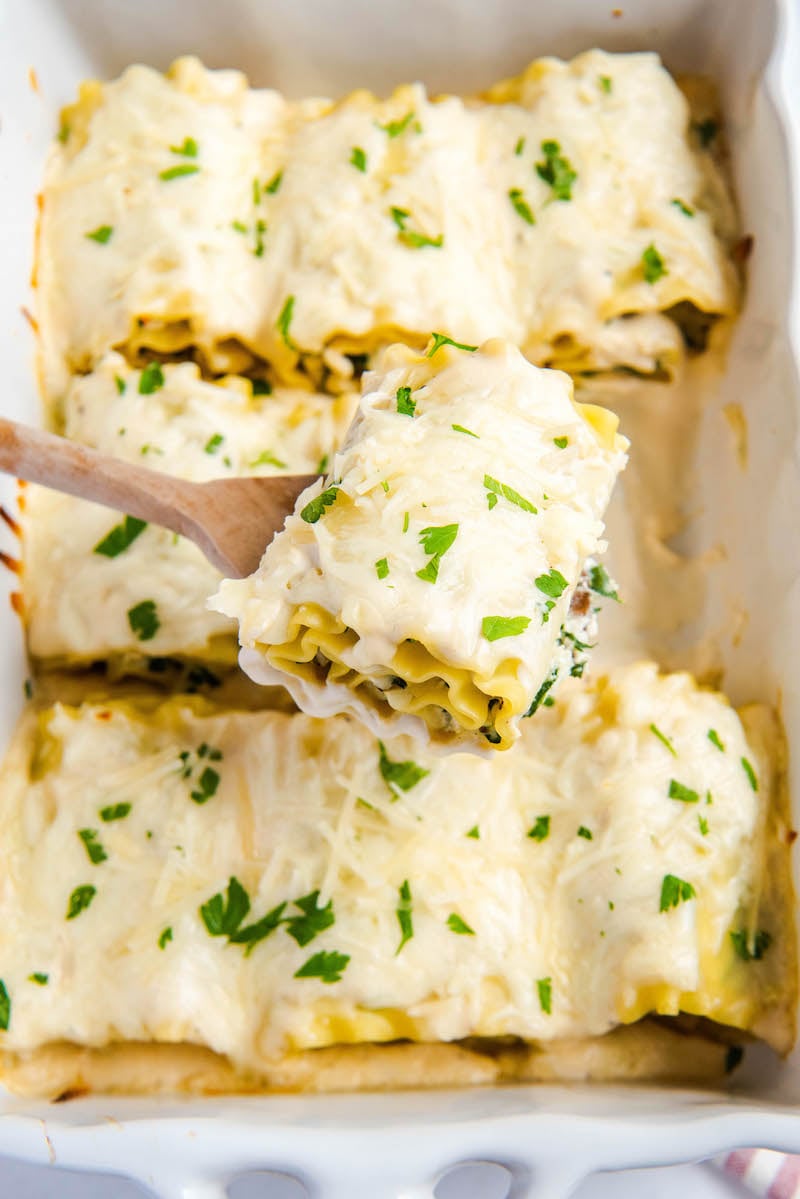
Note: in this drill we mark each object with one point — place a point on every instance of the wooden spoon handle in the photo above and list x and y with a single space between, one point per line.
64 465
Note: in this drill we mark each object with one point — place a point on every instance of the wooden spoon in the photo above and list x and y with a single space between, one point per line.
231 520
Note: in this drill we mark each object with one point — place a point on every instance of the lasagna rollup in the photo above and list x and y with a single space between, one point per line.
424 585
572 211
100 585
629 858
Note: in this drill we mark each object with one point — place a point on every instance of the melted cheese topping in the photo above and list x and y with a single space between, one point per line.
77 600
469 493
548 919
296 227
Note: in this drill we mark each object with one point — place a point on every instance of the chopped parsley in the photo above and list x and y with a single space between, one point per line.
521 206
600 582
40 979
259 930
122 386
274 183
399 776
207 785
382 568
556 171
151 379
395 128
327 966
653 266
495 488
121 537
256 192
93 847
541 696
358 159
703 825
313 921
751 774
561 442
441 339
405 405
178 172
117 811
261 229
5 1007
605 83
385 486
545 988
79 901
585 832
474 833
322 465
541 829
284 321
261 387
101 234
494 628
63 134
553 583
222 915
143 620
751 950
436 540
187 150
164 938
457 925
674 890
707 131
519 149
213 443
267 458
404 915
714 738
684 208
680 791
405 522
315 508
410 237
461 429
663 739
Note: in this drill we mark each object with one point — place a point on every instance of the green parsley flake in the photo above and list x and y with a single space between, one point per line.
40 979
274 183
714 738
605 83
653 266
187 150
79 901
151 379
399 216
399 776
684 208
457 925
213 443
435 540
207 786
261 387
117 811
121 537
256 192
553 583
674 890
474 833
101 234
541 829
561 442
600 582
284 321
441 339
703 824
122 386
315 508
178 172
93 847
664 740
495 488
261 229
405 405
679 791
521 206
267 458
327 966
358 159
395 128
143 620
751 774
541 696
461 429
519 149
585 832
404 915
751 949
322 465
545 988
314 919
494 628
556 171
5 1007
222 915
63 134
408 236
385 486
252 934
382 568
405 522
165 938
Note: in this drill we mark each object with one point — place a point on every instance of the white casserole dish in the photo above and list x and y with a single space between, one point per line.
549 1137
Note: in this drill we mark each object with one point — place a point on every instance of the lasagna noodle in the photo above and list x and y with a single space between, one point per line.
570 211
78 590
120 930
425 586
